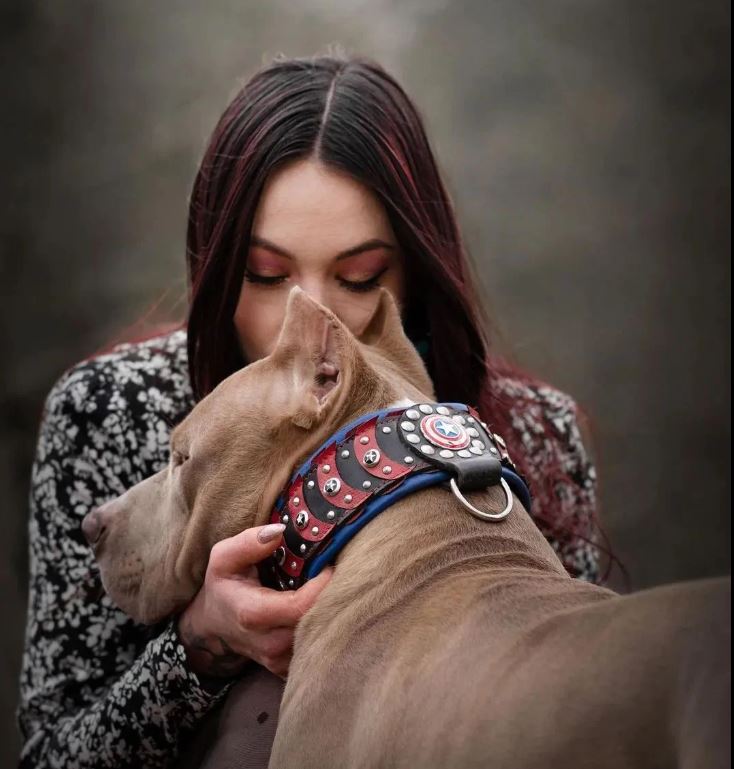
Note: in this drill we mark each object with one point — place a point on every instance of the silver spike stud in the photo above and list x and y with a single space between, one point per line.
284 519
426 449
327 468
443 410
387 469
413 438
413 414
311 484
294 565
291 583
408 460
347 497
446 454
364 439
296 501
387 429
345 454
315 530
366 484
425 408
302 548
407 426
330 515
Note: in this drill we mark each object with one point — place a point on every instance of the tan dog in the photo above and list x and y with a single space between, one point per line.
441 640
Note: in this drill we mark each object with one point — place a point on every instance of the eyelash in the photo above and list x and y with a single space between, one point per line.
358 287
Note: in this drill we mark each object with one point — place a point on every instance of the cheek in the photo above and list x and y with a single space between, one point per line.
257 320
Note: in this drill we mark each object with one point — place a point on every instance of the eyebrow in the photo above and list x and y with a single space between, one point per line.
368 245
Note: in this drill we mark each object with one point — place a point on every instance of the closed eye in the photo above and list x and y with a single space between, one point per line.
178 458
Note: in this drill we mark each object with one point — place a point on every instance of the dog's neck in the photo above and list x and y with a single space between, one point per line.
419 543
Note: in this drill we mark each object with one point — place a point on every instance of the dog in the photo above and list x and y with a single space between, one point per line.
441 640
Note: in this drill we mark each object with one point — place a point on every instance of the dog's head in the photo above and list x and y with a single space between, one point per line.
237 448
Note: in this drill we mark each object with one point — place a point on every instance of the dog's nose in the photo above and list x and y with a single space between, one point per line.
92 527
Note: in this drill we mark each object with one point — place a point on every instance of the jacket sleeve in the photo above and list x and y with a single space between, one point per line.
96 690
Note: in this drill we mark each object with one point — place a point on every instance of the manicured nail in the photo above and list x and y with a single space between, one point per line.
270 532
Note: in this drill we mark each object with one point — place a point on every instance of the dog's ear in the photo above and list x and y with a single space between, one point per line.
312 347
384 331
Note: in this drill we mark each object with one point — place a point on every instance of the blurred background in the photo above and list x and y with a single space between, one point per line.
586 144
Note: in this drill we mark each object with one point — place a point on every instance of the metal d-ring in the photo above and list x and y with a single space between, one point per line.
480 513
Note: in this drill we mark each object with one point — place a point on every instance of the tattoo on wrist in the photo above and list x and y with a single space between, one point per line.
212 658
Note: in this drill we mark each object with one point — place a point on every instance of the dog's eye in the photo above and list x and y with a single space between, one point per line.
177 458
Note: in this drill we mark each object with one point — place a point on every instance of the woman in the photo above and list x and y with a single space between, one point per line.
319 174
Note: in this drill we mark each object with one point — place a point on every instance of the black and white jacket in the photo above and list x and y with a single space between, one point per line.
97 690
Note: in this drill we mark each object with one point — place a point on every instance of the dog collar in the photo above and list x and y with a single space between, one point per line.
372 463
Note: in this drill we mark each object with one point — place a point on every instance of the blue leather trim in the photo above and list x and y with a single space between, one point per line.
412 483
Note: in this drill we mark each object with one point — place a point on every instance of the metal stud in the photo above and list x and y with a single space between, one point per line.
425 408
412 414
291 583
330 515
475 450
387 429
366 484
460 419
473 432
479 444
296 501
426 449
471 419
407 426
302 519
332 486
347 497
443 410
387 469
311 484
493 450
371 457
413 438
345 454
464 453
408 460
327 468
364 439
302 548
284 519
294 565
315 530
446 454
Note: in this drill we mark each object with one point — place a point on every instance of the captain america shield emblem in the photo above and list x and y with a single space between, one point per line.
444 432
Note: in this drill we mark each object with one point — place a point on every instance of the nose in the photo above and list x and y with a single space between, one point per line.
315 288
93 527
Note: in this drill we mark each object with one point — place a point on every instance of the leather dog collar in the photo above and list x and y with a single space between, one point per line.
370 464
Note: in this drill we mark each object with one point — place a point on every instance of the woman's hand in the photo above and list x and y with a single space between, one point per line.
234 619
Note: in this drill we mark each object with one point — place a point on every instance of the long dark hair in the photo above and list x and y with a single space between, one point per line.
351 115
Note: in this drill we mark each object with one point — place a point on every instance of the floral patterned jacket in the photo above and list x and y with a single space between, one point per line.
96 689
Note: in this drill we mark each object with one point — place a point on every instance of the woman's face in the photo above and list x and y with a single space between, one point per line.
321 230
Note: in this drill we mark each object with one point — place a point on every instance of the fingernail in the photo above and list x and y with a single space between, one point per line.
270 532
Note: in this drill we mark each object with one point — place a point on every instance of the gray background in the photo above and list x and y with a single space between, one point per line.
586 145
